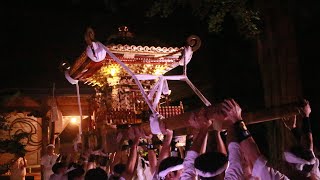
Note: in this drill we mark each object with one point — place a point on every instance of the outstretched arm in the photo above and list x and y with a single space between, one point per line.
306 139
165 150
152 160
131 164
134 133
202 124
152 157
220 144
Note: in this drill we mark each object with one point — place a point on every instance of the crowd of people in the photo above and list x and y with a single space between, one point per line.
211 151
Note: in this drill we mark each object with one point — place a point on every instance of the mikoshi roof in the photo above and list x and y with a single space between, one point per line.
140 59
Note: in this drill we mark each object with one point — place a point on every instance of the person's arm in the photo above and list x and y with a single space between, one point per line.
131 164
247 143
165 149
116 156
152 160
199 141
152 157
202 126
24 163
235 170
306 139
220 144
240 131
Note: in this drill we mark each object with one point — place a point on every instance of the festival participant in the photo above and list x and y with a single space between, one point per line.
164 152
302 156
198 162
243 140
96 174
59 171
170 168
18 169
134 134
75 172
47 161
117 171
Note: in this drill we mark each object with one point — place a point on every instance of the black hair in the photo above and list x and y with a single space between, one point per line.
57 166
96 174
103 160
210 161
169 162
78 172
119 168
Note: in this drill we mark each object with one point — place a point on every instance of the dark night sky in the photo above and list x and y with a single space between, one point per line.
37 37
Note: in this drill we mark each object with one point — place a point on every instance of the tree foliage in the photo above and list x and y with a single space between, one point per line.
214 12
12 146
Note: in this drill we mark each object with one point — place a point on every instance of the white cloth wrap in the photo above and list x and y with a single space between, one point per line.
154 124
99 53
291 158
212 174
164 173
187 55
69 78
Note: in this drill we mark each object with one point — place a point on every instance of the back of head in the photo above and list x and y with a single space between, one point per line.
119 168
96 174
57 166
211 164
170 164
75 173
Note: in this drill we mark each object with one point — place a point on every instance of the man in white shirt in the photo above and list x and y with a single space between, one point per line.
197 163
301 156
59 171
241 137
47 161
171 168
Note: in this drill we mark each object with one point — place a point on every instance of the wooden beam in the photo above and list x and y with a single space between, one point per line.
182 121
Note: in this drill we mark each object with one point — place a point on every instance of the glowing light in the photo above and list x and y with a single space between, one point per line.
159 70
113 71
113 81
73 120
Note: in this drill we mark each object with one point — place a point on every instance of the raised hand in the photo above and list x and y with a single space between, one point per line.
200 120
218 120
306 109
290 122
232 110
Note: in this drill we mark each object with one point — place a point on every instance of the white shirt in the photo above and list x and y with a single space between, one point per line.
48 161
143 173
189 171
234 170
